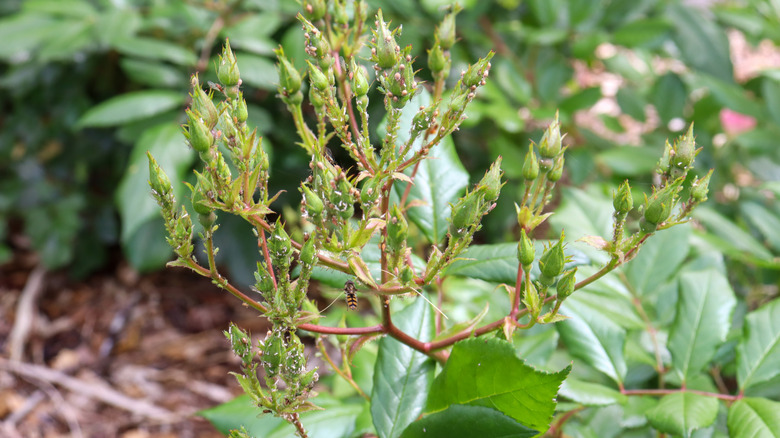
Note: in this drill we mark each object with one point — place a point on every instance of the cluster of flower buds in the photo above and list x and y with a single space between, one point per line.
394 68
227 72
177 224
282 356
289 80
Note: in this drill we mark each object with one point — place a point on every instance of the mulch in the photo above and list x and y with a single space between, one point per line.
115 355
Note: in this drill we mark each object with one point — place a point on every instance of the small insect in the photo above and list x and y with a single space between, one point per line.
350 291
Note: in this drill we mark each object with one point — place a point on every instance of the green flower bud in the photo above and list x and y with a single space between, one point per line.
465 214
273 354
622 200
700 188
240 342
316 98
318 78
664 164
242 113
202 103
406 275
396 229
312 202
526 252
289 76
477 72
197 133
659 206
445 33
438 62
227 71
279 244
550 146
207 220
557 170
423 120
263 282
359 79
369 193
385 52
685 150
530 165
551 263
647 227
199 201
308 251
158 180
491 182
314 10
432 267
566 284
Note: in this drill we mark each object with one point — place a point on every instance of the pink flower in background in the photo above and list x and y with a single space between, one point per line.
735 123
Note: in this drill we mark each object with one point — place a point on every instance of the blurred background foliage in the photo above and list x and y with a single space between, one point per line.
88 86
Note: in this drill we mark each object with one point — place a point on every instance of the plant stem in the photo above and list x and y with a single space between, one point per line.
726 397
339 371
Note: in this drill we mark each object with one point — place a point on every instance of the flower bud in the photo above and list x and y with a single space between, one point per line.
273 354
406 275
557 170
685 150
202 103
525 249
308 252
491 182
240 342
263 283
551 263
289 77
197 133
318 79
396 229
242 113
530 165
566 284
369 193
227 72
465 214
314 10
477 72
359 79
622 200
279 244
158 180
313 203
386 52
659 206
199 201
445 33
550 146
664 163
438 62
700 188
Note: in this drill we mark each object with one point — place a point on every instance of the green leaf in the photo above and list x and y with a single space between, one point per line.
130 107
584 213
591 394
468 421
593 338
683 412
257 71
754 418
156 49
703 319
71 8
730 95
536 345
252 33
73 37
240 412
703 44
658 259
668 96
133 198
628 160
631 103
770 90
580 100
764 220
402 375
487 372
438 181
21 33
758 352
736 239
643 33
152 73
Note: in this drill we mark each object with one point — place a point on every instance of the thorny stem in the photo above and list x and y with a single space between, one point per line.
518 291
347 99
439 300
556 428
269 267
304 132
295 419
210 251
